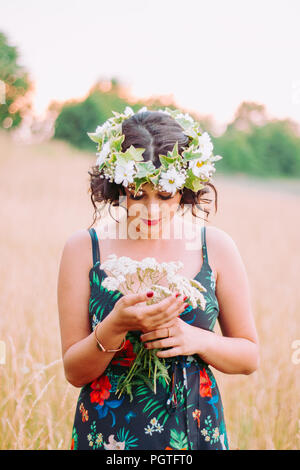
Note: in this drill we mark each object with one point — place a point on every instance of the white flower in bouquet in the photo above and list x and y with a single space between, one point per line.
149 272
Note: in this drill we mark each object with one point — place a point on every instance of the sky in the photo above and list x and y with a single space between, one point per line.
209 55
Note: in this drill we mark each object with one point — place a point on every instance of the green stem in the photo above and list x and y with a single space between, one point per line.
133 367
149 364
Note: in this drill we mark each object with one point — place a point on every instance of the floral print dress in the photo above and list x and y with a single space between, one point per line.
185 414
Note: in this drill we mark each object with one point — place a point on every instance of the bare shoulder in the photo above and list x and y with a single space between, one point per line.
73 289
221 249
77 250
233 290
218 237
79 241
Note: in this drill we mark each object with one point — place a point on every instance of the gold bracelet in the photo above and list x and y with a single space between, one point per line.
102 348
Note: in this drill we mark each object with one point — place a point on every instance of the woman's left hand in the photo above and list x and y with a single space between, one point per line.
182 338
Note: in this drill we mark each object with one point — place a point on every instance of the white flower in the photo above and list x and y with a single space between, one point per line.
175 278
103 154
119 267
216 158
111 261
160 293
173 266
200 168
121 279
128 111
131 268
159 428
164 111
205 145
171 180
143 109
149 263
208 170
153 421
124 173
125 266
110 283
186 117
100 131
148 430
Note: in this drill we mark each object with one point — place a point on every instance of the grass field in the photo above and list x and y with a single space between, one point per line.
44 194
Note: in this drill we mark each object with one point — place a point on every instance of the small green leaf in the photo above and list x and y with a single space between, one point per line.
193 182
166 161
191 155
138 183
154 180
144 168
94 137
116 143
131 154
174 154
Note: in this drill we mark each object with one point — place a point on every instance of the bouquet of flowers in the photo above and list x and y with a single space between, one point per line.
148 272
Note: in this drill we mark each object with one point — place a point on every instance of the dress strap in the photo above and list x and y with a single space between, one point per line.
95 245
204 247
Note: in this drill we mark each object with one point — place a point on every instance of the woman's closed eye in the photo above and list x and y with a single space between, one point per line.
137 198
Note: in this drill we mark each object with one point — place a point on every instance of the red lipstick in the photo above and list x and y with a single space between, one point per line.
151 222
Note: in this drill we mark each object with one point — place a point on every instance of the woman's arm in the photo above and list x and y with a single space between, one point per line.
83 361
237 351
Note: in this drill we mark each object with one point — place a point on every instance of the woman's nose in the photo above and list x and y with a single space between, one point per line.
152 210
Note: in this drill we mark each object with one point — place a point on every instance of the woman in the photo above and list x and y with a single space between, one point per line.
186 413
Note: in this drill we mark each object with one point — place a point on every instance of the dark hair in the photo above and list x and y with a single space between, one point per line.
157 133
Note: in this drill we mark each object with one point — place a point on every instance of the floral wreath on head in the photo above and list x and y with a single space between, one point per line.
192 169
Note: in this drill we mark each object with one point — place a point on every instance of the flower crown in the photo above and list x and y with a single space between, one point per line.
192 169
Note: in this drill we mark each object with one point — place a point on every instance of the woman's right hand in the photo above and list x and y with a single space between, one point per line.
131 312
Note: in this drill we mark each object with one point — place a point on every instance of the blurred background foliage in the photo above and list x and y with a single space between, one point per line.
15 98
254 145
251 144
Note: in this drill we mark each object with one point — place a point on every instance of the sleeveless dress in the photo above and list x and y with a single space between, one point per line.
185 414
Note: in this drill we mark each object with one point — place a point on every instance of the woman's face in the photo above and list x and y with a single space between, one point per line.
151 210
